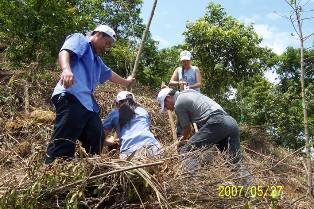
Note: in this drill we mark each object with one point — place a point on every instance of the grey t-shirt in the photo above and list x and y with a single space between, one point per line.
193 107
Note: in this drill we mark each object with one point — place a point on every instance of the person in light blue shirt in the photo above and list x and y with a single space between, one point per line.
187 76
132 124
73 97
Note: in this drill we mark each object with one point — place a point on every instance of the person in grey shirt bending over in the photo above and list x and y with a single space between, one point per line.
215 125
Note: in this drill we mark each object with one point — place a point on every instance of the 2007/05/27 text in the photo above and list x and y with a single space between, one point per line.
252 191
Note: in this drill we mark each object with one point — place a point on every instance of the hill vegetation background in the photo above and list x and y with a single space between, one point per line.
232 64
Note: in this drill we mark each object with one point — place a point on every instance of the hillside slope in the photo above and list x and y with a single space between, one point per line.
107 182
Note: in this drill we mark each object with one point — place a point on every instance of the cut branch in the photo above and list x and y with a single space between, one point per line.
93 178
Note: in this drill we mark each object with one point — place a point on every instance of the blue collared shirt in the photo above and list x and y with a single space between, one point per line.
88 70
135 134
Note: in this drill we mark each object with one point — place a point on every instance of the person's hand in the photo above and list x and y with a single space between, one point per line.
130 80
111 141
183 82
67 78
163 86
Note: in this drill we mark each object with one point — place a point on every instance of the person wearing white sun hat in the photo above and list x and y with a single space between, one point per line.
187 75
132 124
77 112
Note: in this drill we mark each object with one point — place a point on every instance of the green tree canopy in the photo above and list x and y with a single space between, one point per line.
35 29
278 107
225 49
289 67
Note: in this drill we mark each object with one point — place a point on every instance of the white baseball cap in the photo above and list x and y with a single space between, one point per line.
162 96
122 95
185 55
107 30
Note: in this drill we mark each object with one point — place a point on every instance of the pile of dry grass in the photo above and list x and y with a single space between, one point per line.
107 182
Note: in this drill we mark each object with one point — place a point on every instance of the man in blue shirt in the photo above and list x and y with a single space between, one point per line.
76 108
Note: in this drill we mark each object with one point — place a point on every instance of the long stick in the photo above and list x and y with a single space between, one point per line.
297 25
137 61
173 128
93 178
171 121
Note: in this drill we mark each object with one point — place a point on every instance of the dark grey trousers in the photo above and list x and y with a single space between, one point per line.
221 130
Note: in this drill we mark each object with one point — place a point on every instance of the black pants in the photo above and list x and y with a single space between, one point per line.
73 122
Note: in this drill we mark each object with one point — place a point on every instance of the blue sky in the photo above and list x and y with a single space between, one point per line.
171 17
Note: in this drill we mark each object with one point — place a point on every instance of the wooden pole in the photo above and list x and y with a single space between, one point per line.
137 60
171 121
173 128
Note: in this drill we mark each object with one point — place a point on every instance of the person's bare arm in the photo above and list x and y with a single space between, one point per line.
186 131
115 78
184 138
174 78
67 77
198 83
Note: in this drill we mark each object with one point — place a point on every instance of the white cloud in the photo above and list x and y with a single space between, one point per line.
163 43
273 16
263 30
249 20
271 76
274 38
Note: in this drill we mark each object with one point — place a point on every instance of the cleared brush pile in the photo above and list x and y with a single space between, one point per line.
107 182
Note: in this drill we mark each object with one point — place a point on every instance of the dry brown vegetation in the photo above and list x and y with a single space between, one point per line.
107 182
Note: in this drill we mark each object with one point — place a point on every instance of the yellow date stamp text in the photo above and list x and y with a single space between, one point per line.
250 191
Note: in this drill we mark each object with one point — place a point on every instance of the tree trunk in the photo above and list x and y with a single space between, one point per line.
304 104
